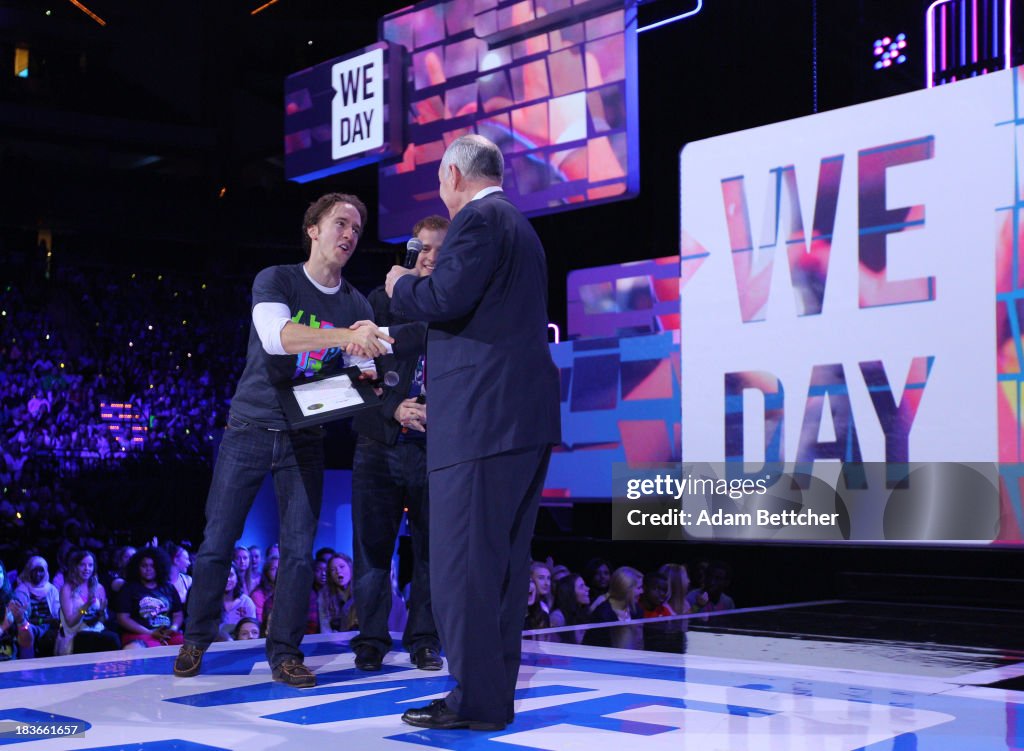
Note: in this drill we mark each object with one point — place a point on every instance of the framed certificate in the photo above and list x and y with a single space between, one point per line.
323 398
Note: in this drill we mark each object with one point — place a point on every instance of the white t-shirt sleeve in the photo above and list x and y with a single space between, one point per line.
269 318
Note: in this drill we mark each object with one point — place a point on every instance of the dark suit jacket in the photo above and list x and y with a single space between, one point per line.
489 369
379 423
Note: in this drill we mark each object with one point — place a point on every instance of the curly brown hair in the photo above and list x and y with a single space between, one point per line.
321 206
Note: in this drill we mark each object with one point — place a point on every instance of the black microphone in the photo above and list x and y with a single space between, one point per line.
412 249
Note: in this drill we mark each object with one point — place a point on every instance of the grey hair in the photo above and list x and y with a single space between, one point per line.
476 158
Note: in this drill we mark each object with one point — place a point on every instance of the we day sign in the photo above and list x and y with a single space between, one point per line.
345 112
357 111
839 281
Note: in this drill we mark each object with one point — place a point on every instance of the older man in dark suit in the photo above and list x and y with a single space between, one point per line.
490 373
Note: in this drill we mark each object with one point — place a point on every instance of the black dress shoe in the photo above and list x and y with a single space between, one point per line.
427 658
368 658
437 716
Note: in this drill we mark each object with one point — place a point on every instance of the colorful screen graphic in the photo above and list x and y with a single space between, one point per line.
553 83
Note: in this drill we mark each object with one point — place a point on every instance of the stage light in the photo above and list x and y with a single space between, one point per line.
5 313
47 337
150 327
49 12
131 344
88 12
887 51
262 7
310 42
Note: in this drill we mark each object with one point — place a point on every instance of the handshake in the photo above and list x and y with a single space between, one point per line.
364 339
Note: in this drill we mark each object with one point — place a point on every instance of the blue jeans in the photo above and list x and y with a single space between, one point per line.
247 453
385 481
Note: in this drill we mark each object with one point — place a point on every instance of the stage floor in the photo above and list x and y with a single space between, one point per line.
765 678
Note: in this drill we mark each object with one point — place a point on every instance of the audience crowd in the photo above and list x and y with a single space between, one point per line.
132 598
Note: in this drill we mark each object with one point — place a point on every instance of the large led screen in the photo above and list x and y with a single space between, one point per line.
552 82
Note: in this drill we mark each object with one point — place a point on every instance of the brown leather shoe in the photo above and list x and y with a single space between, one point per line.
189 660
294 673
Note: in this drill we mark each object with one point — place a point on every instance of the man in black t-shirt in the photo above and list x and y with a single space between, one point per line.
301 316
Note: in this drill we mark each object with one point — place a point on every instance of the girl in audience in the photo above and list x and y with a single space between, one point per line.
678 586
536 616
541 574
335 602
83 609
44 599
255 568
242 567
572 607
180 563
620 604
237 604
265 590
148 607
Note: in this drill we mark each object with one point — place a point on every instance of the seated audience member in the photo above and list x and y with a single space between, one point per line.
115 577
255 568
324 555
245 629
659 636
620 604
319 575
265 590
241 562
711 598
678 586
237 604
16 637
541 575
44 600
273 551
148 607
178 575
572 607
83 609
597 574
334 602
558 573
653 600
536 616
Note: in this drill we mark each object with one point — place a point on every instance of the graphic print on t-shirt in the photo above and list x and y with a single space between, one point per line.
308 363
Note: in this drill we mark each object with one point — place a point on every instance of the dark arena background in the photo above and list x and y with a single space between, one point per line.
783 242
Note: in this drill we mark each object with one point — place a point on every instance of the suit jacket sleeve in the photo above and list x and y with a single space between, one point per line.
464 269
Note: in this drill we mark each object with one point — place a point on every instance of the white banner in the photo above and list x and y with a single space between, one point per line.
839 281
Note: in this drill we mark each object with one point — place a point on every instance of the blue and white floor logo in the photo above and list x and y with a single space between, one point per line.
568 698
